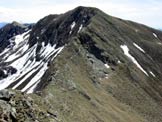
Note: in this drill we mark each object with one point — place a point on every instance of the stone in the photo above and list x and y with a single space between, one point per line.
6 95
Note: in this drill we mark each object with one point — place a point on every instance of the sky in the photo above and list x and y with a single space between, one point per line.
148 12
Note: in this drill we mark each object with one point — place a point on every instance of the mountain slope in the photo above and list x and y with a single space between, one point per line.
9 31
89 66
135 82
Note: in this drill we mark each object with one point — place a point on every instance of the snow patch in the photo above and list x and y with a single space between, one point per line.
5 72
107 66
72 26
152 74
21 37
138 47
31 90
5 51
36 78
80 28
34 81
20 47
159 43
126 52
155 35
119 61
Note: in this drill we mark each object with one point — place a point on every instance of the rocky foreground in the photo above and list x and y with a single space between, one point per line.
18 107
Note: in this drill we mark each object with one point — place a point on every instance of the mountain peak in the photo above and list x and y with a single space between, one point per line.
15 23
72 21
83 8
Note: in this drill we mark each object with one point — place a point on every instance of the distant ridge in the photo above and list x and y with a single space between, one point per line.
2 24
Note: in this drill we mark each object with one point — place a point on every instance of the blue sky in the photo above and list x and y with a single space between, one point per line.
143 11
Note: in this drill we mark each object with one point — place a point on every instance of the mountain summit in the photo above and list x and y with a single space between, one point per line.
85 66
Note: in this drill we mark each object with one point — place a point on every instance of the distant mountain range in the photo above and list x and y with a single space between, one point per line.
2 24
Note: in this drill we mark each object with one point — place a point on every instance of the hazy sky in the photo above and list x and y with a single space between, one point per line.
148 12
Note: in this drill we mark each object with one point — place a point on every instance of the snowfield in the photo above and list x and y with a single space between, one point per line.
23 59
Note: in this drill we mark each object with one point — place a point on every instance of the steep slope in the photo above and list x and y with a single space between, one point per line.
107 70
21 63
9 31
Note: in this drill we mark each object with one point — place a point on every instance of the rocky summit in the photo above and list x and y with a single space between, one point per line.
80 66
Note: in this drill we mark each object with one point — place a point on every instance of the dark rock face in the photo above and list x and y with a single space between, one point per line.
2 74
6 71
55 29
90 45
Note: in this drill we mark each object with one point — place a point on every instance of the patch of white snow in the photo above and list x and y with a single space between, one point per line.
31 90
36 78
20 38
159 43
80 28
5 72
107 66
126 52
119 61
152 74
72 26
155 35
138 47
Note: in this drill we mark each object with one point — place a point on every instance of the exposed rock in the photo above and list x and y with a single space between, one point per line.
20 107
6 95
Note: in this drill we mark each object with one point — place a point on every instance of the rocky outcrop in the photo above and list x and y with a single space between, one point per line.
18 107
